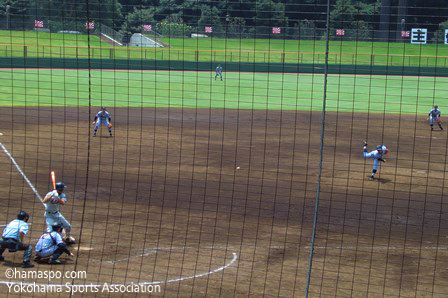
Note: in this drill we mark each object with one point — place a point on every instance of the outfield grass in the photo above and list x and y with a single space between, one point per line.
218 50
346 93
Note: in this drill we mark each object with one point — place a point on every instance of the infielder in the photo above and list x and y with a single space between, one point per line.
376 155
51 246
434 116
102 117
218 72
13 236
53 200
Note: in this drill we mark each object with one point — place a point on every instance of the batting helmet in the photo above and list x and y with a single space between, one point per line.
56 227
23 215
436 107
60 186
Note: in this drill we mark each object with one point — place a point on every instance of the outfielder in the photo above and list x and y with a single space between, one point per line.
51 246
218 72
102 117
376 155
13 236
434 116
53 200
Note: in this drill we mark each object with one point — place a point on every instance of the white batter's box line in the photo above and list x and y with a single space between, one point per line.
21 172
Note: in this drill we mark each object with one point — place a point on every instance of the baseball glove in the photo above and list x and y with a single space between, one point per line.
380 159
109 125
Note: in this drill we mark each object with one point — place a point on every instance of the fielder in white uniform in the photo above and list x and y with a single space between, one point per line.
53 200
376 155
434 116
218 72
51 246
102 117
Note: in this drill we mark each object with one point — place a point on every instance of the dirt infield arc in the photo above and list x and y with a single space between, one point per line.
163 199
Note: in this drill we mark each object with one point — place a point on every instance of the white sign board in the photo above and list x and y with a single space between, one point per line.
419 35
445 37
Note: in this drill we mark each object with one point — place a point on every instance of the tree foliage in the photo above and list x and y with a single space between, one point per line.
230 17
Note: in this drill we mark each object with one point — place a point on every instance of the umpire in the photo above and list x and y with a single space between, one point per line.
13 235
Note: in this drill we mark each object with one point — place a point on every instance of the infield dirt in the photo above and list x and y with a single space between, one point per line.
162 200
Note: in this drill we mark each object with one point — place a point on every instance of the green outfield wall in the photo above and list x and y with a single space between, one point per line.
175 65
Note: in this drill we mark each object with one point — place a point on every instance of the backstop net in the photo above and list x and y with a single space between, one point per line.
255 148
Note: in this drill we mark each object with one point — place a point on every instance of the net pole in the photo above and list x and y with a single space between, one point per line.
321 154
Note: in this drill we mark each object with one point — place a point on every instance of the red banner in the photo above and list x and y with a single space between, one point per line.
38 24
340 32
276 30
90 25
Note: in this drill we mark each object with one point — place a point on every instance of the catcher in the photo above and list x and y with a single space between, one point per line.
434 116
376 155
51 246
52 202
102 117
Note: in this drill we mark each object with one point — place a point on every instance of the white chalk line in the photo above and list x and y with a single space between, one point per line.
235 257
22 173
154 250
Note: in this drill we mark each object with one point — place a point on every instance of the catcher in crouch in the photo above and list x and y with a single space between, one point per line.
102 117
376 155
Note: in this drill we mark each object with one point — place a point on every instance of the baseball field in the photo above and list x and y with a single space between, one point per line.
208 188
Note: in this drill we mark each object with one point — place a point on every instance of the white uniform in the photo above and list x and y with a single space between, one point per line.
48 244
52 213
434 116
102 118
376 155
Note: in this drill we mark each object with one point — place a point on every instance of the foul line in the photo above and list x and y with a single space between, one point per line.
22 173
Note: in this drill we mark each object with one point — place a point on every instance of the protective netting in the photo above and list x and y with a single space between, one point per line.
234 162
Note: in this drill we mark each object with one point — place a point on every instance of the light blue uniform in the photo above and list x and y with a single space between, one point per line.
13 229
52 213
375 155
48 244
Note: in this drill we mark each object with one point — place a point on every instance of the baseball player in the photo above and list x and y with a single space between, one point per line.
434 116
376 155
13 236
218 72
53 200
51 246
102 117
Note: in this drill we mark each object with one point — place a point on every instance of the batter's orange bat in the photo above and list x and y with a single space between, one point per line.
53 179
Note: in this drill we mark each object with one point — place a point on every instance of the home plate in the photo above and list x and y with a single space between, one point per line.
85 248
1 133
